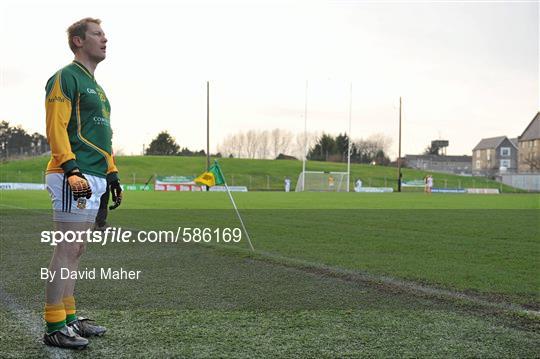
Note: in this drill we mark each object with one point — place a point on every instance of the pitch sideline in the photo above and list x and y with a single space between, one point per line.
30 321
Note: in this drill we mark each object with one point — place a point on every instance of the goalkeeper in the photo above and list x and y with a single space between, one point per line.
80 170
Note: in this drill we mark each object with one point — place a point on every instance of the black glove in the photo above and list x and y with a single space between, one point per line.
116 190
79 184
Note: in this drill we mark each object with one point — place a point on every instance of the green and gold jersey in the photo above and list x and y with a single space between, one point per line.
78 123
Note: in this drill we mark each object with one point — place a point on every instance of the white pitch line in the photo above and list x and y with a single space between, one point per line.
357 276
10 206
29 321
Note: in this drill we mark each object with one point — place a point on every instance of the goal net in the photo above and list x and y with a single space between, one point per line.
322 181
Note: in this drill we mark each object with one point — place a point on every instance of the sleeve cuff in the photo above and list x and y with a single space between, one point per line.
69 166
113 176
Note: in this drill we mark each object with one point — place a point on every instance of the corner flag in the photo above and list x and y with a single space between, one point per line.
214 177
211 178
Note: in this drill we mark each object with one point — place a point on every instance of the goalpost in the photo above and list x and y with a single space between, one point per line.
324 181
319 181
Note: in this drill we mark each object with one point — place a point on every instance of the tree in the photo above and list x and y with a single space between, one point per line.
19 141
533 162
323 149
302 142
342 146
187 152
4 135
227 147
381 158
371 150
381 141
251 143
280 141
163 144
256 144
15 141
367 150
263 143
39 143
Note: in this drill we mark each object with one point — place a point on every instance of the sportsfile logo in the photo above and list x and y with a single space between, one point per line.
118 235
109 235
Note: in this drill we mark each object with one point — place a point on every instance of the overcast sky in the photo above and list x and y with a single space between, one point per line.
466 70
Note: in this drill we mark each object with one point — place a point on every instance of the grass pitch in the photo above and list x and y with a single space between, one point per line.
334 275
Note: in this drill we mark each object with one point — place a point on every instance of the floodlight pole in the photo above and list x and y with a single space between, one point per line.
399 150
305 141
349 144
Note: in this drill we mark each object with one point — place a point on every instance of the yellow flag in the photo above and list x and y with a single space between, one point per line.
211 178
207 178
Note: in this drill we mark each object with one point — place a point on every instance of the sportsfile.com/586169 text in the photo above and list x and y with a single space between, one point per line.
118 235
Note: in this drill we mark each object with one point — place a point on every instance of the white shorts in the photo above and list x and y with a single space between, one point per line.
65 207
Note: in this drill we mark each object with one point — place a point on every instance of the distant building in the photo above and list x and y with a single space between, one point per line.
515 142
494 156
529 147
282 156
436 163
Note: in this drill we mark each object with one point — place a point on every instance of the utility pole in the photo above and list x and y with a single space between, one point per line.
399 151
305 141
207 128
349 144
207 125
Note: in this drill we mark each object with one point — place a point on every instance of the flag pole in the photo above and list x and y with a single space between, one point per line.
236 209
207 128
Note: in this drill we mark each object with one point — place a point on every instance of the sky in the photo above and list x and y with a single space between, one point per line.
466 70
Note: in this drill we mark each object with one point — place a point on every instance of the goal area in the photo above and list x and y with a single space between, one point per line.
320 181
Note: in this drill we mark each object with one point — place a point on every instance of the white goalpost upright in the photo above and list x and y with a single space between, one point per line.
305 140
323 181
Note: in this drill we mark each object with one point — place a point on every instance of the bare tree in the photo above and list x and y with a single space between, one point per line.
227 147
302 142
381 141
275 135
263 142
269 144
286 140
239 145
256 144
533 162
280 141
251 143
372 149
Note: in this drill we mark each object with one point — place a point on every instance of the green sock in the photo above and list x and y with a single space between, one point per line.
70 318
51 327
69 305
